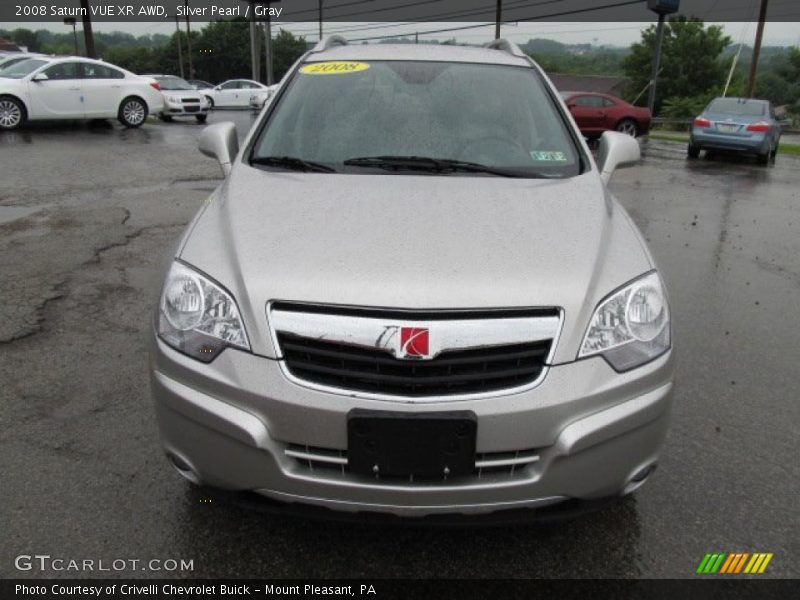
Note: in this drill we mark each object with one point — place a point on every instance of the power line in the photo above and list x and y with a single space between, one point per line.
513 5
525 19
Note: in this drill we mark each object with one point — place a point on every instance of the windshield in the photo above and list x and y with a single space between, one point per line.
171 82
23 68
498 116
737 106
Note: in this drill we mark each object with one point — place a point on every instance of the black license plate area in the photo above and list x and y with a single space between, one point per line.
427 445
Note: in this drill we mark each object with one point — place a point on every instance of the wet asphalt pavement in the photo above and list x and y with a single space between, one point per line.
87 213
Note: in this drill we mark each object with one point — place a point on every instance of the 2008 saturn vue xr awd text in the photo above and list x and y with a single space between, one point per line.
413 294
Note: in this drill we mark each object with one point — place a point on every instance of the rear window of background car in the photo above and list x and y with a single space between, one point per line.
735 106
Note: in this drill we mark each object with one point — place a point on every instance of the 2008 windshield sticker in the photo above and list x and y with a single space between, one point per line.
548 156
333 68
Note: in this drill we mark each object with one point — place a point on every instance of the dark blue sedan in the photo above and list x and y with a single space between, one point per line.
737 125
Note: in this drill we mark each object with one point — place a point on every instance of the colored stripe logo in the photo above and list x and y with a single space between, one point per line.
734 563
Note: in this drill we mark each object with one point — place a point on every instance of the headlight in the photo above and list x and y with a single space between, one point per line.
174 99
198 317
631 326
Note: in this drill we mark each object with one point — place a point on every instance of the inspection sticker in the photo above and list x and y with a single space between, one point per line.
548 156
337 67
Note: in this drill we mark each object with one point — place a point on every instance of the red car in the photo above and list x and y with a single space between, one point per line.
595 113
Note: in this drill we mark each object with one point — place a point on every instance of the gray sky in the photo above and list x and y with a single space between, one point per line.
617 34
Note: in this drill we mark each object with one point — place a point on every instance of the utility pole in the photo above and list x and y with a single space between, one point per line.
751 79
72 21
651 97
268 49
255 67
662 8
88 36
180 45
320 19
189 40
498 18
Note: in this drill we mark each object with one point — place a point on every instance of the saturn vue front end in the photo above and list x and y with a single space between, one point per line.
414 294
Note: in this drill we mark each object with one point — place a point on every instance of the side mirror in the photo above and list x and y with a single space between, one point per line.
221 142
39 77
616 150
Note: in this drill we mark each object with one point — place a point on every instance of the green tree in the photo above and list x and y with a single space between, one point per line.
691 63
27 38
286 49
222 51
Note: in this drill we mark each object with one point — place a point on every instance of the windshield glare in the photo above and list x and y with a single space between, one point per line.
735 106
23 68
494 115
173 83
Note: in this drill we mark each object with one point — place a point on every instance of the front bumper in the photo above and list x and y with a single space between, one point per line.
229 423
181 110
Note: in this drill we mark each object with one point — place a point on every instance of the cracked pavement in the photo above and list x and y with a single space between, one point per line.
88 214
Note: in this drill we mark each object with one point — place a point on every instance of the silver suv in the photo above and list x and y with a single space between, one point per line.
414 294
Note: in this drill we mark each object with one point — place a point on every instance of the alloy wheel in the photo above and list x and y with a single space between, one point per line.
133 112
10 114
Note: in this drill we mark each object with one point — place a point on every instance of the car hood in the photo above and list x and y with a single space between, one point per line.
409 241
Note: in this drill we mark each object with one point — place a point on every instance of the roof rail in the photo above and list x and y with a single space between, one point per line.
329 42
506 46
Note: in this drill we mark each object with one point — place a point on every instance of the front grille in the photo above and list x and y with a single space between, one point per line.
377 371
189 109
191 100
488 465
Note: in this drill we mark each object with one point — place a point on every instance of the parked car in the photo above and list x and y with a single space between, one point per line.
595 113
259 98
414 295
199 84
75 88
233 93
181 99
742 125
15 57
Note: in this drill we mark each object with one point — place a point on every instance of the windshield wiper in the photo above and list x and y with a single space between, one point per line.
439 165
293 163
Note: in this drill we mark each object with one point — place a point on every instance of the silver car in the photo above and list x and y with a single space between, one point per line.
414 294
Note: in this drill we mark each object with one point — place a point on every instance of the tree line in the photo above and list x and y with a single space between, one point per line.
695 64
220 50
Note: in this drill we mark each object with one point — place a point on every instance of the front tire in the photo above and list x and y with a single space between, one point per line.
210 102
132 112
693 151
628 126
12 113
763 159
201 118
165 118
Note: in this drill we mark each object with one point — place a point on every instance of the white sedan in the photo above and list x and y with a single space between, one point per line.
75 88
233 93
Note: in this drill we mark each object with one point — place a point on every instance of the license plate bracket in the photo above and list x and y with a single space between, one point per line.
426 445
